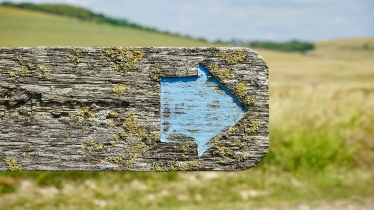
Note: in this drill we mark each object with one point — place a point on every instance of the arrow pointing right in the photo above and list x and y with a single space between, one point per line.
197 109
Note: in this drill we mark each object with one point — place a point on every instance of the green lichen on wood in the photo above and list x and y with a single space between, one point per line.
42 71
154 74
250 100
67 136
120 160
139 149
237 56
26 68
241 157
85 115
129 127
92 148
75 56
221 74
27 151
176 165
16 75
12 164
241 89
185 148
222 151
233 130
132 128
242 94
122 59
23 113
251 124
119 90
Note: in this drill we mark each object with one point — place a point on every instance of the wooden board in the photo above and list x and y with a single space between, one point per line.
116 109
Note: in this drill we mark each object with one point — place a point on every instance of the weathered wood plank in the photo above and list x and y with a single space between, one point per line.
98 109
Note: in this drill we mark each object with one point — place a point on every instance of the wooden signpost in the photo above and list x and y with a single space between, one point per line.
132 109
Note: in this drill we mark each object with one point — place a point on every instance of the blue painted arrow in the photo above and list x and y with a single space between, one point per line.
197 108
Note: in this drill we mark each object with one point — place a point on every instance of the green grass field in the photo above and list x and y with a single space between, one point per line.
29 28
321 133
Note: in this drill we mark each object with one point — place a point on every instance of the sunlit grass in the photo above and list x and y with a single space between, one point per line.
30 28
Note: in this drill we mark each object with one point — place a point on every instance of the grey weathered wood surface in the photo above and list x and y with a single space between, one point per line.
98 109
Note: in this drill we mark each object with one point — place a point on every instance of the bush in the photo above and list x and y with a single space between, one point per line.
284 46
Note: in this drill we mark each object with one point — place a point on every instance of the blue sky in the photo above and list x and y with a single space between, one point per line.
278 20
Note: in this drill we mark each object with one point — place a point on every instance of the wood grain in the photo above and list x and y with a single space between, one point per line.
98 109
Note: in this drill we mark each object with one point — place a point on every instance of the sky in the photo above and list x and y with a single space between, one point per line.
247 20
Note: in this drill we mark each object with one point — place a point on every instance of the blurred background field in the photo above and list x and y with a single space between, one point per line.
321 132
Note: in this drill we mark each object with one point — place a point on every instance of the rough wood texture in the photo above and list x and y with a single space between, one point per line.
98 109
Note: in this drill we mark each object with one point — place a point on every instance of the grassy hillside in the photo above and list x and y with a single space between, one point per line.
364 43
321 133
28 28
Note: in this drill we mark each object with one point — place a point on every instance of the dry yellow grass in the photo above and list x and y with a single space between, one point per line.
355 43
328 90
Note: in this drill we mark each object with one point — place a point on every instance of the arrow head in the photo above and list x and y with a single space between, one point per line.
197 109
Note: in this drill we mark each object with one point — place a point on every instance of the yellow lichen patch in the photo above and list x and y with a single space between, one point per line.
237 56
116 137
247 138
176 166
26 154
129 127
12 164
111 123
124 59
187 165
140 149
159 167
22 113
240 89
154 74
222 74
120 90
222 151
16 75
225 161
130 161
157 89
186 148
118 160
16 114
132 128
74 57
242 157
67 136
250 100
233 130
138 84
251 125
92 148
241 93
42 72
25 69
84 113
112 112
214 140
